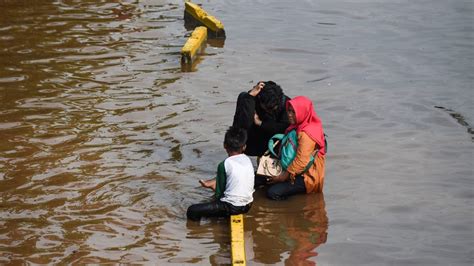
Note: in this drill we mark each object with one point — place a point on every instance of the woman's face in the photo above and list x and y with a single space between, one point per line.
291 115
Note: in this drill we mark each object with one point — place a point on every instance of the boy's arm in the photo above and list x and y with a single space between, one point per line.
211 183
221 180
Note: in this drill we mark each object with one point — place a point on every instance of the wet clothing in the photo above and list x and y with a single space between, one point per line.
281 191
311 141
314 176
239 180
272 123
311 181
234 189
215 208
221 179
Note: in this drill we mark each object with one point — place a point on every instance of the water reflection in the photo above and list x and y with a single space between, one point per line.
275 232
213 233
191 66
308 233
288 231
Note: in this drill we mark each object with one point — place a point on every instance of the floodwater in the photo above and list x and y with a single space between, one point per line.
103 136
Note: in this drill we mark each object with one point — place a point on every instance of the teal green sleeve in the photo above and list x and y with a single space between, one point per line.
221 180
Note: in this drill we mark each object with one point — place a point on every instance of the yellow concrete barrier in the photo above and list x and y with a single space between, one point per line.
193 45
237 239
194 13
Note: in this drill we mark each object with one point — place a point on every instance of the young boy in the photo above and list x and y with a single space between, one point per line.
234 183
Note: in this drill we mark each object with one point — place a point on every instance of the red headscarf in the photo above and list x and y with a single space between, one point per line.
307 121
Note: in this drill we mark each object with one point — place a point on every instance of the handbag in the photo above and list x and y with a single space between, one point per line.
269 165
286 152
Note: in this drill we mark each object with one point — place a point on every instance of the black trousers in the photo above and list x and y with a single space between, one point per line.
281 191
215 209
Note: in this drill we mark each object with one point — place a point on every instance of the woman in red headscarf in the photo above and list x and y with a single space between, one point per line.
311 141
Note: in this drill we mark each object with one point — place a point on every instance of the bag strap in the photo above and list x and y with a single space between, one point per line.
311 161
272 144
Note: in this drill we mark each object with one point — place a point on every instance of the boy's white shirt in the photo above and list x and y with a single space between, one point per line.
240 180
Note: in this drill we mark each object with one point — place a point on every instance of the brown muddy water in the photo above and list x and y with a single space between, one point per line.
103 136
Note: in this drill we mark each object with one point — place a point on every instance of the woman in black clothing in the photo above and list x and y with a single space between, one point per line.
261 111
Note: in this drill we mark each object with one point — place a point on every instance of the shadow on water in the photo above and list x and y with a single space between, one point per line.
460 119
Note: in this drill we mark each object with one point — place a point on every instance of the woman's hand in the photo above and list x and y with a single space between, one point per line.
257 120
256 89
280 178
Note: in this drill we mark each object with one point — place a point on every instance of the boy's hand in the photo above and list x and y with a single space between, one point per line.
208 183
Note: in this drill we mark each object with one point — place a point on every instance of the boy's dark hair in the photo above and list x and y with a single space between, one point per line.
235 139
270 96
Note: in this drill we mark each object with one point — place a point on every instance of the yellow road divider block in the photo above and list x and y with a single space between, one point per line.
193 45
237 239
199 15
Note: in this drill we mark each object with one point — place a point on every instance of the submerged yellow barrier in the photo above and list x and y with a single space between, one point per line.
237 239
195 12
193 44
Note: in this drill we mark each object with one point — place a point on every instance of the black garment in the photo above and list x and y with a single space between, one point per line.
281 191
272 123
260 181
215 209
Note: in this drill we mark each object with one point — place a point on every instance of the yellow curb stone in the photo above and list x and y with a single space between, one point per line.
199 14
193 44
237 239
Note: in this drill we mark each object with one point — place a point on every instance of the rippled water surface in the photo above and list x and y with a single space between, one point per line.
103 136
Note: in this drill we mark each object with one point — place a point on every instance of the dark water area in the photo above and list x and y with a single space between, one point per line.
103 136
